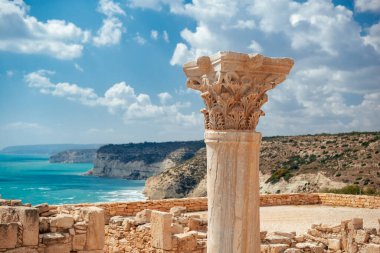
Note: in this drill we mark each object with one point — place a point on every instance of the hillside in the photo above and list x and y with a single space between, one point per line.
74 156
142 160
289 164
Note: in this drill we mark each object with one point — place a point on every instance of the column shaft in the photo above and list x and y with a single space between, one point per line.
233 191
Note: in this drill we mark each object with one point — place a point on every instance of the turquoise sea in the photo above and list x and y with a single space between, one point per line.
34 180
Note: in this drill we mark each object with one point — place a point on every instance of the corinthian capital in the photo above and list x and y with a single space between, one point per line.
234 85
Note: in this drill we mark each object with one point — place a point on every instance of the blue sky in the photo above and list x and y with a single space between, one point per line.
103 71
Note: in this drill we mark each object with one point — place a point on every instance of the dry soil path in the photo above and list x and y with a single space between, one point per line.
300 218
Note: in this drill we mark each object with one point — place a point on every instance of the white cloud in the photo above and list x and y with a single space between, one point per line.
367 5
334 84
24 34
154 34
373 37
78 67
111 31
165 35
255 47
139 39
120 99
110 8
164 97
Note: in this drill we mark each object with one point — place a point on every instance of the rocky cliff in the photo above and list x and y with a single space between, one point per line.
74 156
142 160
288 164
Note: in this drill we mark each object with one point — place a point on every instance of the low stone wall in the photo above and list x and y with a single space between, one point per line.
326 199
42 229
200 204
360 201
289 199
132 208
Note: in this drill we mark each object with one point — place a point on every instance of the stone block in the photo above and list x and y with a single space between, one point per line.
361 236
28 216
95 227
355 223
292 250
63 221
196 224
277 248
186 242
161 230
299 238
143 216
8 235
79 241
54 238
288 235
177 228
177 210
61 248
276 239
42 208
372 248
334 244
44 225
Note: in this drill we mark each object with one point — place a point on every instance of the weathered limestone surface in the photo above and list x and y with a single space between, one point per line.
29 218
161 230
47 229
8 235
234 87
95 229
233 191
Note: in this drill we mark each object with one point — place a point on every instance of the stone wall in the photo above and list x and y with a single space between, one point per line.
200 204
157 232
44 229
132 208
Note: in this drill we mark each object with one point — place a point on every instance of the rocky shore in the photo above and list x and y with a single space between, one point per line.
142 160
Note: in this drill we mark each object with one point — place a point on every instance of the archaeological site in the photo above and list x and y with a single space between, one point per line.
234 217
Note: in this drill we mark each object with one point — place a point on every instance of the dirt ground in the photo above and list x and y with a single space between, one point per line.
300 218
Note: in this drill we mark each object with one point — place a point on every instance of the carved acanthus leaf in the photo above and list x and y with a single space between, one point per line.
234 87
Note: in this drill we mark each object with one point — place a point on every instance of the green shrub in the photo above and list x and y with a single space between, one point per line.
278 174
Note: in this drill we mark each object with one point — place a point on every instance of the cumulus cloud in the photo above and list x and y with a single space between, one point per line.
22 33
367 5
111 31
119 99
164 97
373 37
333 86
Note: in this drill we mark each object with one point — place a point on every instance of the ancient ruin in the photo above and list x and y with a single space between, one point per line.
234 87
170 226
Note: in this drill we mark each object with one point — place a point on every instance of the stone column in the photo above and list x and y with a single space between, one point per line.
234 87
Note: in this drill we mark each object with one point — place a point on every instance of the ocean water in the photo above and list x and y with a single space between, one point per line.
34 180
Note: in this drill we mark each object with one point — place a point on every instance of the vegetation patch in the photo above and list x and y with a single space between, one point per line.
354 190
